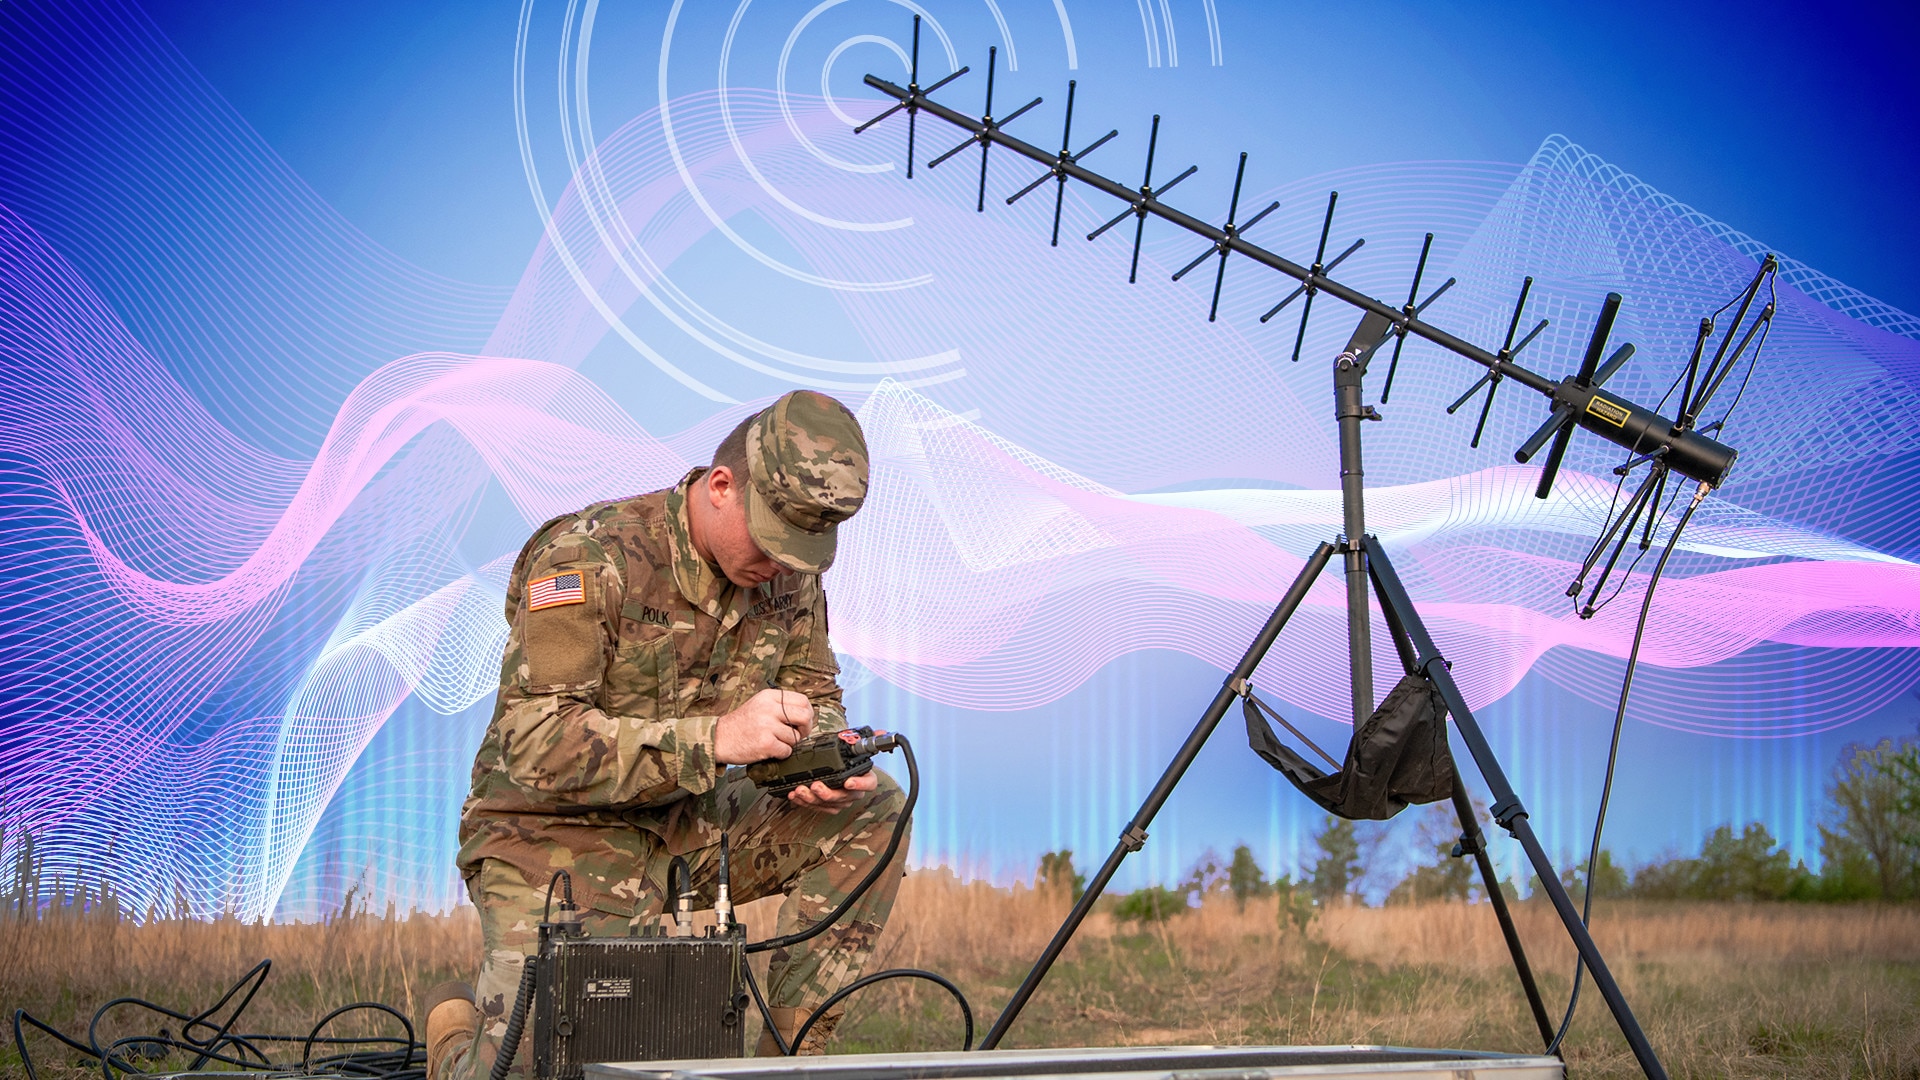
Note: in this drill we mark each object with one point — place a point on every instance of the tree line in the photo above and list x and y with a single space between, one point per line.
1869 850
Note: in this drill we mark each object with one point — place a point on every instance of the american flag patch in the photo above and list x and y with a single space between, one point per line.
556 591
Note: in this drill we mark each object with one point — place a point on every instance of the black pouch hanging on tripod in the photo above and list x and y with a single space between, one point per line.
1398 757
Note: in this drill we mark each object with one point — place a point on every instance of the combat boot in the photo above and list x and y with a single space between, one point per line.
789 1021
450 1022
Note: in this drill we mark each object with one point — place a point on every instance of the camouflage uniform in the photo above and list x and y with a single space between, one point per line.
625 649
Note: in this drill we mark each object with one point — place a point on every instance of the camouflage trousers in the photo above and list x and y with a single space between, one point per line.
812 857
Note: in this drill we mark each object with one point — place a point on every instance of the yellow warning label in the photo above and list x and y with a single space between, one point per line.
1602 409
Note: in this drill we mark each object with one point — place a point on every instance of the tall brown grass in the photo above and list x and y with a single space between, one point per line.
1723 989
1466 935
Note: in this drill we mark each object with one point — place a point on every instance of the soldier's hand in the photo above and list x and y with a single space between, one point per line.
818 796
765 727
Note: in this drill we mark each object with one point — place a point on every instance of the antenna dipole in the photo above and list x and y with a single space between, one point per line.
1508 350
1412 311
1228 231
988 126
912 103
1057 171
1143 203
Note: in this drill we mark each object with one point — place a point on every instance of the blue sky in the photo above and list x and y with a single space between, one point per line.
1794 123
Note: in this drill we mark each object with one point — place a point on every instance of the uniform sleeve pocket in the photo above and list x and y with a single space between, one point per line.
642 681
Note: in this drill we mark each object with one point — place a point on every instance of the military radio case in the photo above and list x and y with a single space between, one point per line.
637 999
830 757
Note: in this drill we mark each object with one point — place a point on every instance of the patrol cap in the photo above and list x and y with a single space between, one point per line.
807 459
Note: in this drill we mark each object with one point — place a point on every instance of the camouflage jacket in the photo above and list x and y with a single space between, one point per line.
610 688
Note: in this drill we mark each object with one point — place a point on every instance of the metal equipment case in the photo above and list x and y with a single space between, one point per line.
637 999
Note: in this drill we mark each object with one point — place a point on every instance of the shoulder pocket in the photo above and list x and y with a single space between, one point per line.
562 633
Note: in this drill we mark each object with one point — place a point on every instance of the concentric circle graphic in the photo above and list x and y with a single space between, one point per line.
612 251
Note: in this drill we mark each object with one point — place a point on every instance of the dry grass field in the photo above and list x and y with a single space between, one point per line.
1757 990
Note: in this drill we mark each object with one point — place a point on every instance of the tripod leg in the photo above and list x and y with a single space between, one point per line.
1135 835
1473 841
1507 808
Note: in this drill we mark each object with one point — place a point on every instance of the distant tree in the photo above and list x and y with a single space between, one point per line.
1337 869
1609 877
1669 878
1748 866
1245 879
1905 768
1846 872
1436 881
1057 873
1875 792
1751 866
1155 903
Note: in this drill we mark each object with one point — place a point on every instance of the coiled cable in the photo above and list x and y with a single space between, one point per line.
885 861
880 867
404 1058
397 1058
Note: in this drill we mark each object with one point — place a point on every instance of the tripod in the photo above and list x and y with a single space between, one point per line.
1368 572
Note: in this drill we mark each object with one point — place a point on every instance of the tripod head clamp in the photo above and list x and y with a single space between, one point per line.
1373 331
1350 366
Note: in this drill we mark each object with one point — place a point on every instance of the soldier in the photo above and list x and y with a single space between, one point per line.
654 641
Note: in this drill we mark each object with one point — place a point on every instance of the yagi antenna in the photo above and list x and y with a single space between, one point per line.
1575 401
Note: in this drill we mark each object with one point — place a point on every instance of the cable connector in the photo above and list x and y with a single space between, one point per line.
565 920
880 742
723 893
677 871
